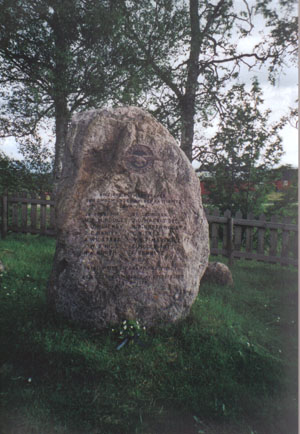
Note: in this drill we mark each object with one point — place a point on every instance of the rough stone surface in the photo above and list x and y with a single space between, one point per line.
219 273
132 234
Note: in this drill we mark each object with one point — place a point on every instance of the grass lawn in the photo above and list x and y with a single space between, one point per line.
229 368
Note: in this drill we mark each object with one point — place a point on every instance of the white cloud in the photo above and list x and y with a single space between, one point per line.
246 45
9 147
290 136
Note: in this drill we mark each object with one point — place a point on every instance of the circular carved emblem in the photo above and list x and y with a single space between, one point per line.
139 158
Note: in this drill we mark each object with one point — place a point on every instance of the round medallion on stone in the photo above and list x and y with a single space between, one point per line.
139 158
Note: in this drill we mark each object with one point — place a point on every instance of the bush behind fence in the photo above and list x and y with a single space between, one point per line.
254 238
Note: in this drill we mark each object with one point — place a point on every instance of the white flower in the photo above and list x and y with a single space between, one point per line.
29 380
248 344
125 327
124 322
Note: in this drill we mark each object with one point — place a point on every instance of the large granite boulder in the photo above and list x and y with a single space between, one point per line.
132 234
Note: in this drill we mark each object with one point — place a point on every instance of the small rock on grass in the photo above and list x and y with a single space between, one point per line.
219 273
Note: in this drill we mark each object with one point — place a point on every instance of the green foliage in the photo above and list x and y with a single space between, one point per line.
227 360
174 58
56 58
16 176
285 202
239 155
283 24
189 57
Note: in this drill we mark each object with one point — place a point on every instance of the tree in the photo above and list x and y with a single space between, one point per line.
173 57
191 56
241 152
285 201
16 176
286 205
282 22
55 58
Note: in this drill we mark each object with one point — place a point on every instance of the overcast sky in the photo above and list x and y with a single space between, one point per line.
279 98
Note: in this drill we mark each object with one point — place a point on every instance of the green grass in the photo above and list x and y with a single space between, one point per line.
275 195
233 360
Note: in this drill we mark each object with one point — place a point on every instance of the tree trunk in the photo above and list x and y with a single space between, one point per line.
188 101
187 125
60 93
61 129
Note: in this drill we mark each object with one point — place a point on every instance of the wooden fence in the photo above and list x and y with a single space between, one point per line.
28 214
253 238
234 237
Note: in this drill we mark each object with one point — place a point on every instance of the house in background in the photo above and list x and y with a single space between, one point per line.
284 177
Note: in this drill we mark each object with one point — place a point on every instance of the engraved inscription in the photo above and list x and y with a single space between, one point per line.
150 236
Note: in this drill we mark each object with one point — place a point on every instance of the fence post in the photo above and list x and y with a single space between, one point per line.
24 215
43 215
249 235
229 236
215 232
33 214
261 237
4 225
230 240
52 214
285 241
15 214
273 238
237 245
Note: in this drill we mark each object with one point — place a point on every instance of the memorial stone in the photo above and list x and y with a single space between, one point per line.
132 236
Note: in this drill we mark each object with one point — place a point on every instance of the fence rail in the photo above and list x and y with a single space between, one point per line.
231 236
268 241
34 214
